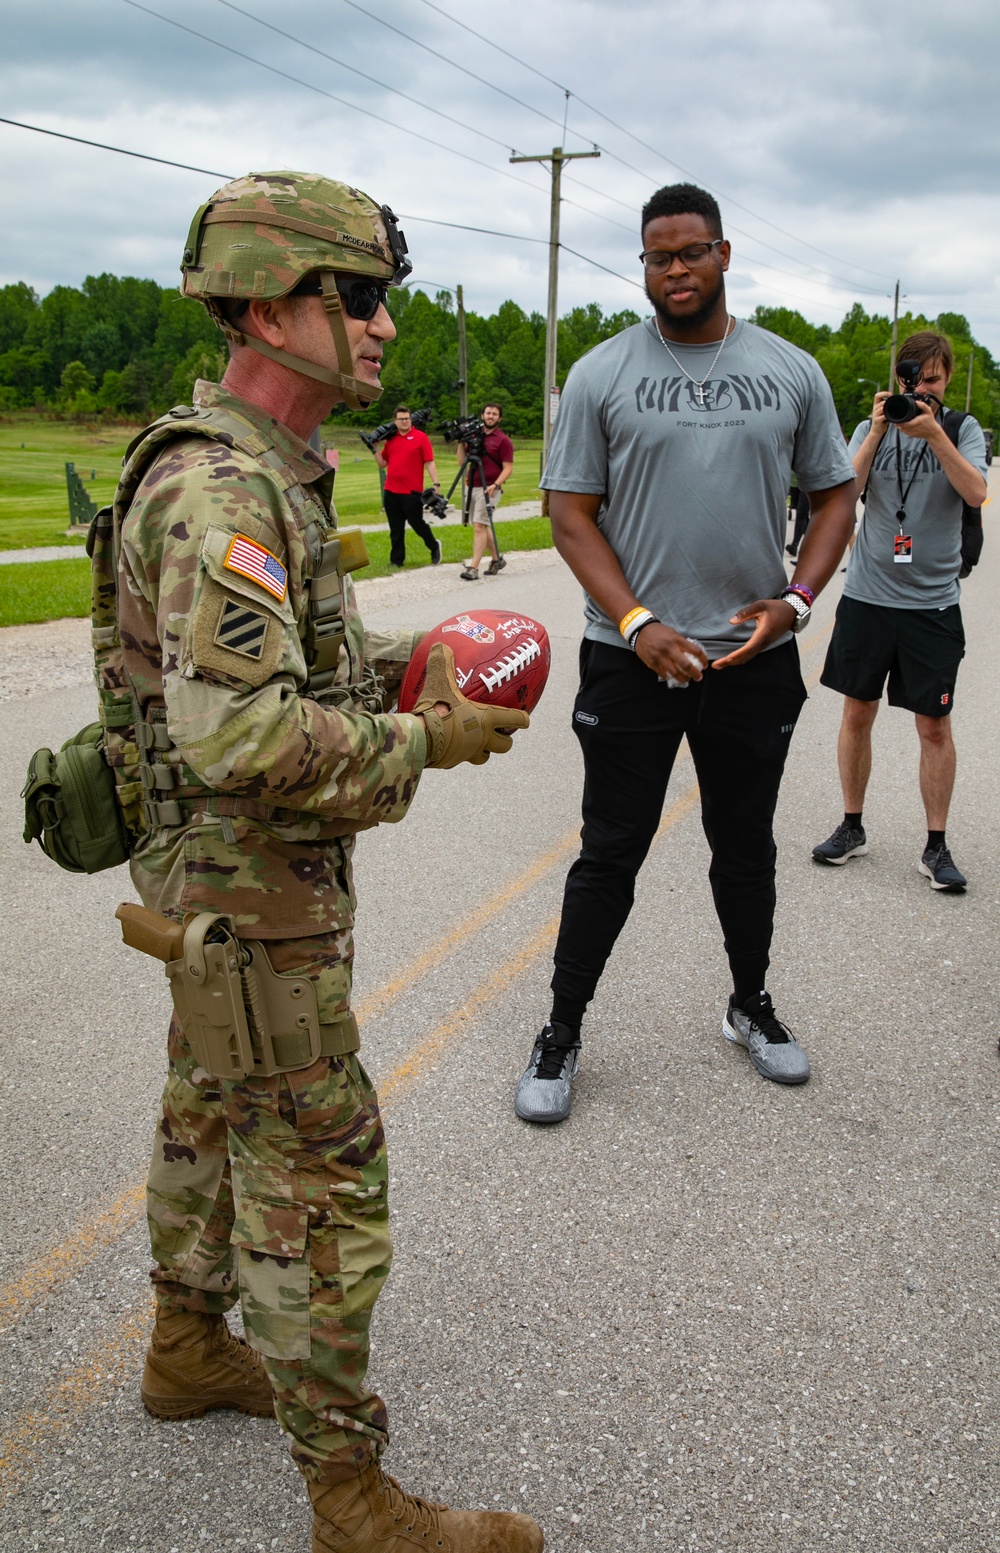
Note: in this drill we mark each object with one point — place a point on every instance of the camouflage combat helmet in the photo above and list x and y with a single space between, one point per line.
262 235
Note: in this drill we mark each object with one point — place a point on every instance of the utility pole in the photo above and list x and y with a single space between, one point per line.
556 158
895 336
463 359
968 386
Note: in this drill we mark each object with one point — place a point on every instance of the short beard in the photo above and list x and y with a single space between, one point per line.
690 321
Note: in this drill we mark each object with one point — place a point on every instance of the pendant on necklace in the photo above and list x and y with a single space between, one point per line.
699 392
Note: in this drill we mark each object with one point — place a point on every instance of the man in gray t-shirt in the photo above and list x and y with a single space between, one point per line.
671 458
899 619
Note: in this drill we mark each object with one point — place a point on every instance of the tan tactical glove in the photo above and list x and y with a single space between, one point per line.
468 730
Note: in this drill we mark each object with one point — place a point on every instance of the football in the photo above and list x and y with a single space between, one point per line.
501 657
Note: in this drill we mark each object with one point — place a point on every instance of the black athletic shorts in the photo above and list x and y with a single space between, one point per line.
918 650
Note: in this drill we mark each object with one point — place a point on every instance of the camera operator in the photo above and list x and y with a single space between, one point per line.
403 458
498 461
899 617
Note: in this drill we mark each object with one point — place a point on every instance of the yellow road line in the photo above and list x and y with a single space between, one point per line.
94 1234
62 1405
58 1408
372 1007
90 1237
416 1065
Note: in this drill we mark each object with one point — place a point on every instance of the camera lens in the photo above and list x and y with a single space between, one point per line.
899 408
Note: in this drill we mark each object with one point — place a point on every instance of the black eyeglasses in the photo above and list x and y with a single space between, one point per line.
694 254
362 297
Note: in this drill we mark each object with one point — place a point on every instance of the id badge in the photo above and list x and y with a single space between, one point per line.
902 549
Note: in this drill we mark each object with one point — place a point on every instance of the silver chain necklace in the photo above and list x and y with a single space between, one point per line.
699 388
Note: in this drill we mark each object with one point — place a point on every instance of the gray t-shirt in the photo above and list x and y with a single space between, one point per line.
933 522
697 521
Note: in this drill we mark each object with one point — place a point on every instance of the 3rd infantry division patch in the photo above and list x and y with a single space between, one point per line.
241 630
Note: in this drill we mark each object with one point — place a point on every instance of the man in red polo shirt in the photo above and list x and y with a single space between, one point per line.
404 458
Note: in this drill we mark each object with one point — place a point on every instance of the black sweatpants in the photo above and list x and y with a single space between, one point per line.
402 507
738 723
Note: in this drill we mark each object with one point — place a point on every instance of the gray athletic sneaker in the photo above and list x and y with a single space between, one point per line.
938 865
545 1088
844 843
774 1051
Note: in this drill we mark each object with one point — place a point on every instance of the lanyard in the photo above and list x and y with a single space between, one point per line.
901 514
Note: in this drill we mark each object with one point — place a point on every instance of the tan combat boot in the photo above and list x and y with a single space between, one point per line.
372 1514
194 1363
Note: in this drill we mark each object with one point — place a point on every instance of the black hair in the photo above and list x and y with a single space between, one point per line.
683 199
491 404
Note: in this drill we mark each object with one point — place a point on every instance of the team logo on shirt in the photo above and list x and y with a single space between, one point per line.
738 392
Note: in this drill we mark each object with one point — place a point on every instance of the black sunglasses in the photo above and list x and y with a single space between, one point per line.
361 296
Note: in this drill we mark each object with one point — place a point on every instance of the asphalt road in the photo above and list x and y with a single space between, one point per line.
707 1312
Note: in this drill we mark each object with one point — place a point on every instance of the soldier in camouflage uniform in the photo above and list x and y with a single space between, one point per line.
259 742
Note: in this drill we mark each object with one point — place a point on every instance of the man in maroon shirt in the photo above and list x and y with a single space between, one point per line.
404 458
498 461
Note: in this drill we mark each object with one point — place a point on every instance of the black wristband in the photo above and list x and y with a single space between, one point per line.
634 634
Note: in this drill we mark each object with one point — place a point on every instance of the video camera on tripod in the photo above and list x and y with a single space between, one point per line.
468 429
387 430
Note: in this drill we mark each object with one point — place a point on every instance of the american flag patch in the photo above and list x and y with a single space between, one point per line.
251 560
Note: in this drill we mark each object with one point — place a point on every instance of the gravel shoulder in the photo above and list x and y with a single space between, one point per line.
55 654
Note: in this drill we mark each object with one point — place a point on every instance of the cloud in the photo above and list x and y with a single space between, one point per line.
865 132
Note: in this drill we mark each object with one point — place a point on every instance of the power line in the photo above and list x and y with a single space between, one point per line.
847 285
603 267
457 22
445 60
285 75
458 226
321 92
302 43
120 150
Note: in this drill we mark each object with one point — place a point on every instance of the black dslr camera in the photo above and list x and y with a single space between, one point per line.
468 429
434 503
899 408
387 430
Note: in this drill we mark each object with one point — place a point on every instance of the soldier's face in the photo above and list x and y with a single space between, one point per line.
310 327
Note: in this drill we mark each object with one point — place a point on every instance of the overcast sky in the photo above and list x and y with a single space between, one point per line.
848 143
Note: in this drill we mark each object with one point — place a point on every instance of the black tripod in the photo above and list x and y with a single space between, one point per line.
475 459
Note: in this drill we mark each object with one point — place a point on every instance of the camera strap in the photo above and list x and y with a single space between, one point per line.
903 494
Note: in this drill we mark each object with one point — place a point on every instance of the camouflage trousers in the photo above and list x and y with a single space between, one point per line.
274 1192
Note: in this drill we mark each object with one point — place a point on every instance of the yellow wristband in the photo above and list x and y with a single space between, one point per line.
631 618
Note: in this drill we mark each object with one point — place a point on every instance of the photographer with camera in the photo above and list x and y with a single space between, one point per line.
496 451
404 458
922 470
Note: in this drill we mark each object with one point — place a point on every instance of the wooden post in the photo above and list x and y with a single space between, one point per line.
556 159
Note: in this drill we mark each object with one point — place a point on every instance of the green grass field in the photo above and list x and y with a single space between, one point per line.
52 590
33 452
34 509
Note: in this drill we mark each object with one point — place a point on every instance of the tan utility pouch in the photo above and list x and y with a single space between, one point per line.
240 1016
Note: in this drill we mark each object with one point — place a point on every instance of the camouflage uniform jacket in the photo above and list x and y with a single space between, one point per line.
218 547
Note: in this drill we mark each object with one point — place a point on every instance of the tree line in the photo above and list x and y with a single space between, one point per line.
127 349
